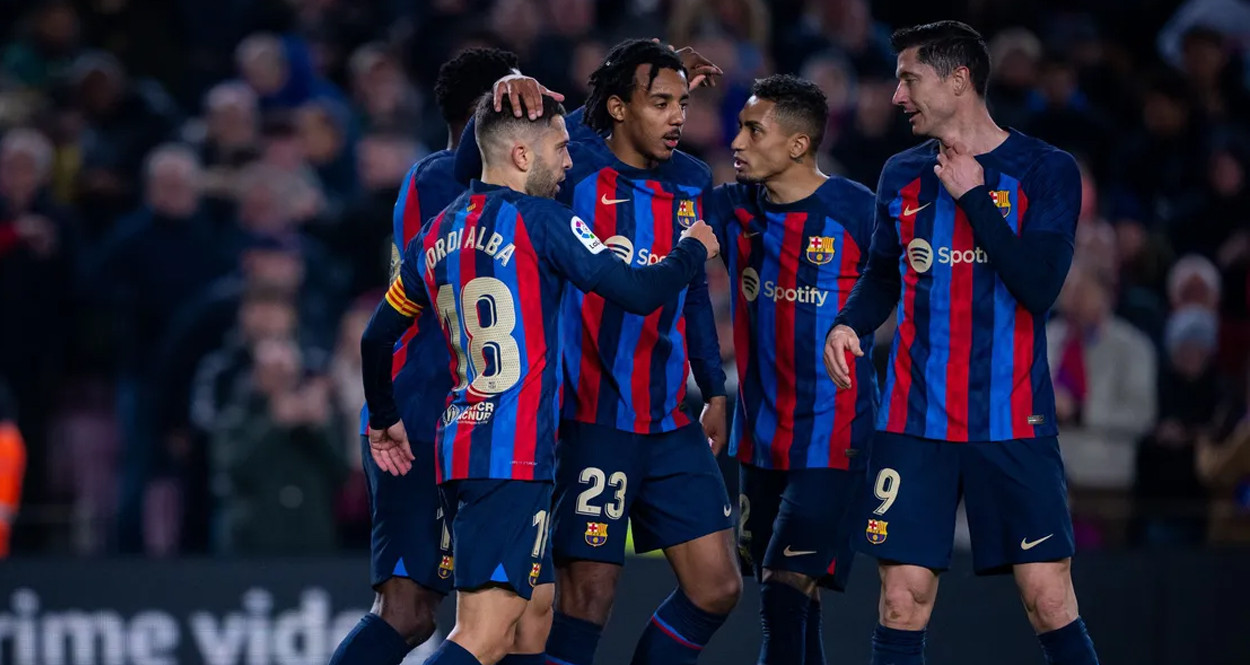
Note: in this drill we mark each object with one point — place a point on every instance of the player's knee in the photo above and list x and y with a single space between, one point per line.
408 608
719 595
907 600
587 590
1051 608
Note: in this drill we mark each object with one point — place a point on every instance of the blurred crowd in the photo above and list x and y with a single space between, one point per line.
195 215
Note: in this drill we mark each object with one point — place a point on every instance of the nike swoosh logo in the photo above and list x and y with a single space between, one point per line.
610 202
1026 545
909 211
789 552
728 511
750 234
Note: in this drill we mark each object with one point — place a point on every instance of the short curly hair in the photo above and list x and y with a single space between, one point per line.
799 105
466 77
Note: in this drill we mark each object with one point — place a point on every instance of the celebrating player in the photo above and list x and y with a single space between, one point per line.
974 232
795 242
628 453
411 562
495 264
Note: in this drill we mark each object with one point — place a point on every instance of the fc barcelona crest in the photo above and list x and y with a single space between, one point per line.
876 532
596 533
820 250
1002 199
686 213
534 574
445 567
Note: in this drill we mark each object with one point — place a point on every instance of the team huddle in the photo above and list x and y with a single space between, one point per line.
525 375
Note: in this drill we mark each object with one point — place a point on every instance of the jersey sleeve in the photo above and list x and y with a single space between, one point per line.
407 212
404 301
702 342
1034 263
876 293
569 245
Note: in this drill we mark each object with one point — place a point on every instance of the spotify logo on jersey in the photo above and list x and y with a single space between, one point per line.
621 247
750 284
920 255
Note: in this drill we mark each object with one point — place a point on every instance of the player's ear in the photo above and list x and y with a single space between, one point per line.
961 80
521 156
616 108
799 145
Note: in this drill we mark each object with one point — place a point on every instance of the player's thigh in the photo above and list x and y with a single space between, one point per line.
499 533
812 533
683 495
1016 498
597 479
910 496
409 538
759 499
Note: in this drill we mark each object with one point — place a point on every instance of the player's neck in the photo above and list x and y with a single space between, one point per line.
453 136
795 184
627 154
975 130
510 178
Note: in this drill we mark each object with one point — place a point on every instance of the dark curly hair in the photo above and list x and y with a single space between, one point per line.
799 105
615 77
466 77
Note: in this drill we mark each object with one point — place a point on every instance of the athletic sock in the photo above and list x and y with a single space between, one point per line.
783 619
677 632
372 642
891 646
572 641
1069 645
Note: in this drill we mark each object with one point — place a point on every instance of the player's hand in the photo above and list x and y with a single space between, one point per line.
701 70
390 449
713 421
703 233
958 170
840 340
523 91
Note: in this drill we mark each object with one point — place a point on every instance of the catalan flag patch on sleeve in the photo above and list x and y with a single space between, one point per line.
398 298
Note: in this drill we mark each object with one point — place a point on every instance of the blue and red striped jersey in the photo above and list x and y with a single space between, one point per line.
419 366
495 265
792 268
628 371
968 361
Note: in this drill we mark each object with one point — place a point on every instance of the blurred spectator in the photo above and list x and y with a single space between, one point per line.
1105 382
844 25
1194 280
388 103
1015 54
364 234
12 469
1061 114
1223 464
154 261
325 141
124 119
40 58
876 132
280 71
1169 495
1217 78
277 458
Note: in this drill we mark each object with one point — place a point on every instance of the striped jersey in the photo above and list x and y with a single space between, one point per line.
792 268
419 366
494 264
624 370
968 362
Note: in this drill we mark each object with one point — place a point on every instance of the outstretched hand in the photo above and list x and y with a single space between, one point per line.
523 92
702 72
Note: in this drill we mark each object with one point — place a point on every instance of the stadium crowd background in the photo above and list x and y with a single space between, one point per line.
195 211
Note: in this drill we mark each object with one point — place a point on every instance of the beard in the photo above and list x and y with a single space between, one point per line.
542 181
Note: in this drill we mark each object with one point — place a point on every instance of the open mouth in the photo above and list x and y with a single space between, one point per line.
671 140
739 164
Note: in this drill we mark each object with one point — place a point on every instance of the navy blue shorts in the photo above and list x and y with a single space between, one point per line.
1015 495
499 531
409 538
667 486
799 520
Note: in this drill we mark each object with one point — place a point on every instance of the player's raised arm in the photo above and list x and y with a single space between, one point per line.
871 300
575 251
1033 264
405 299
